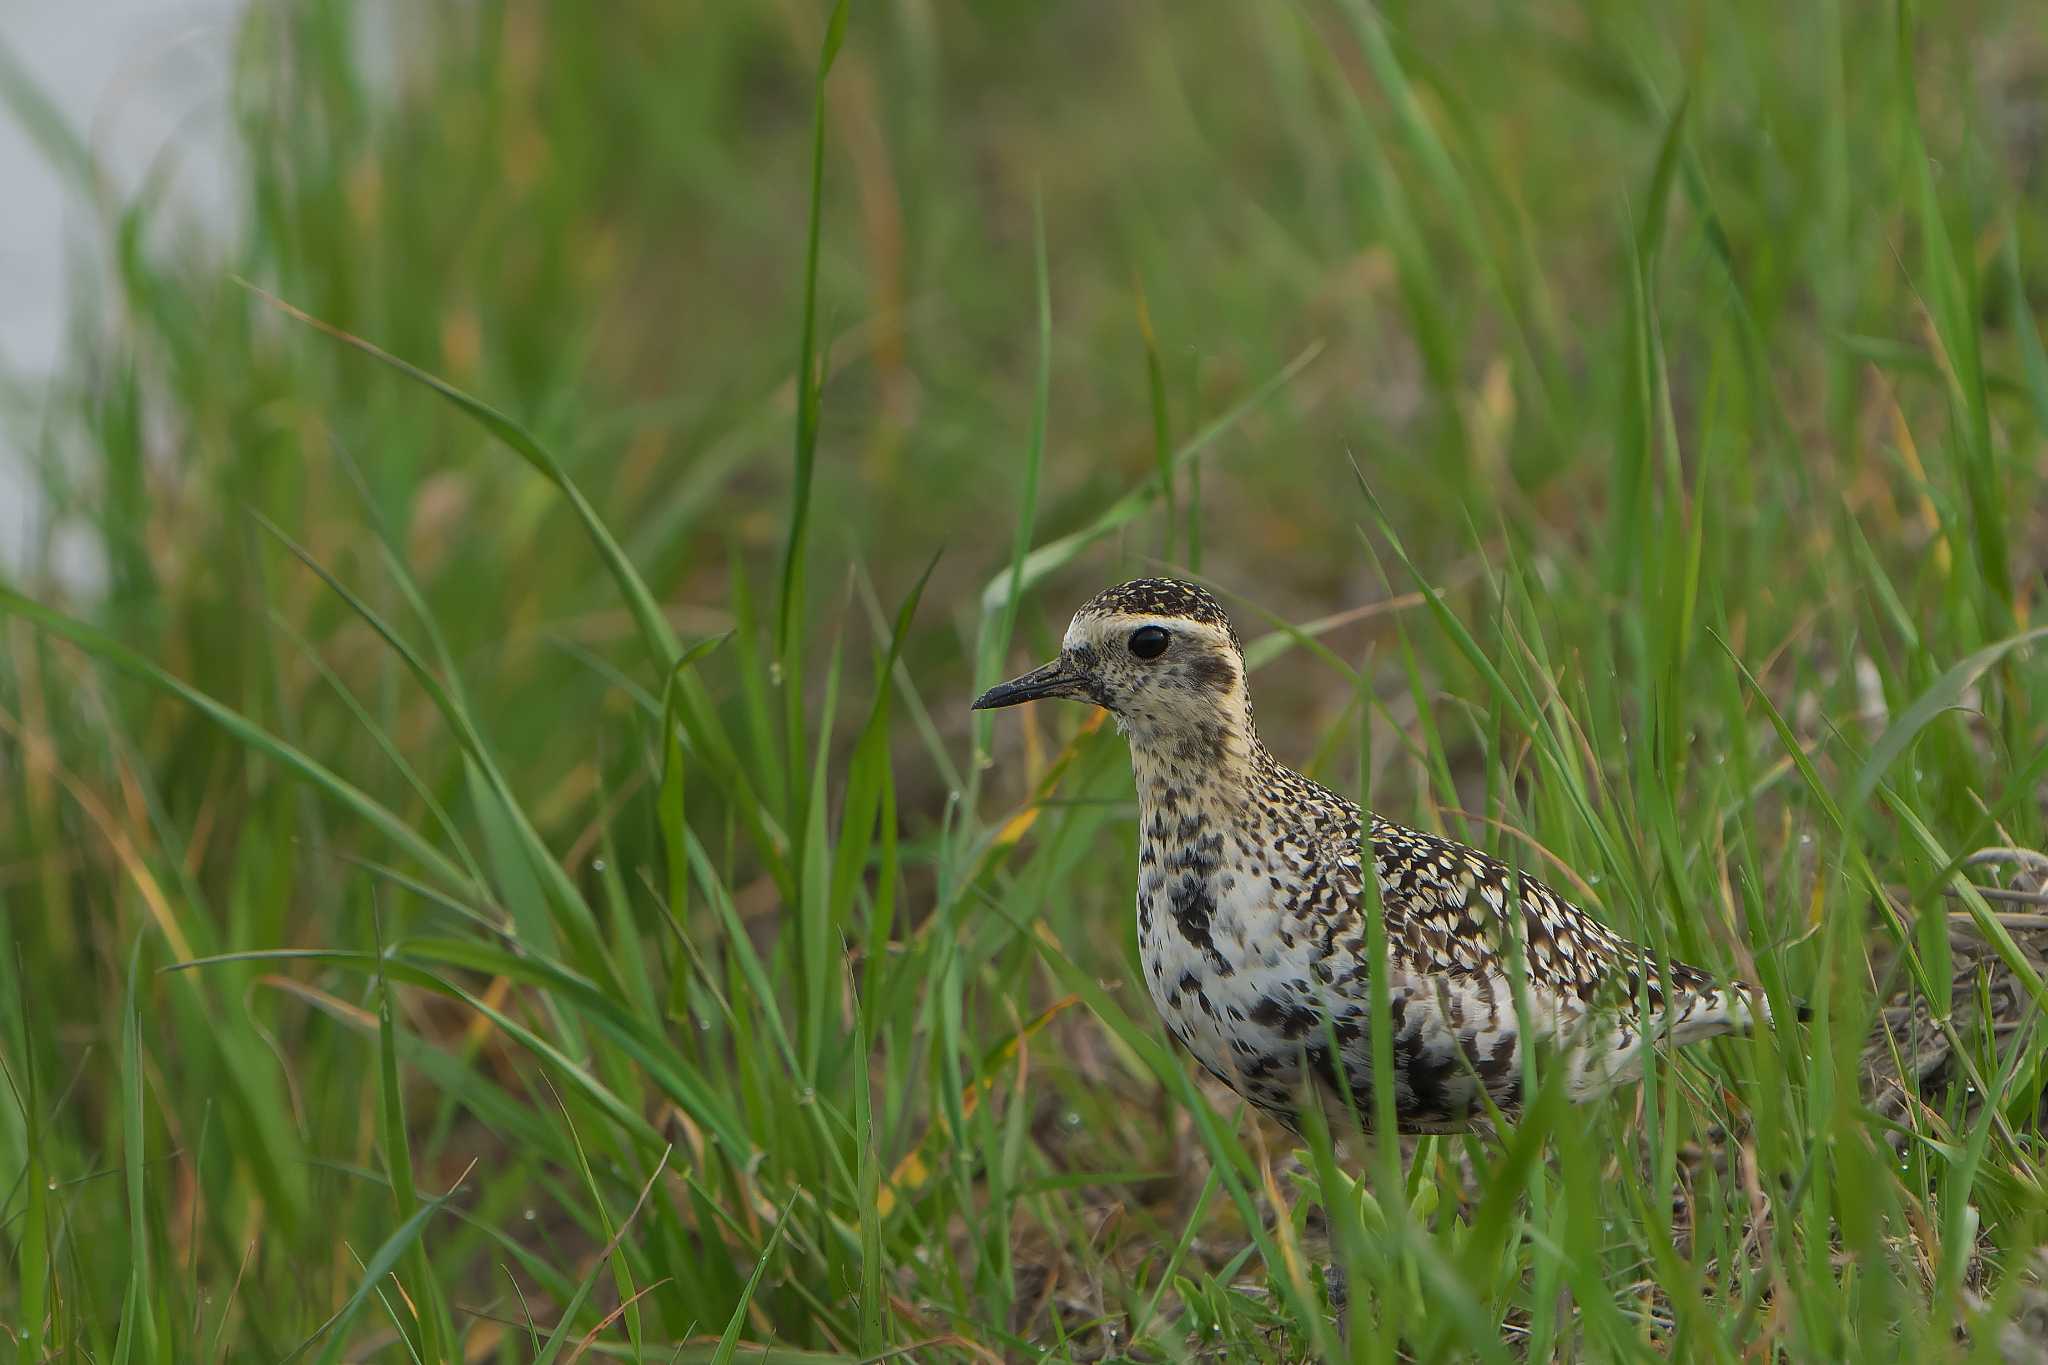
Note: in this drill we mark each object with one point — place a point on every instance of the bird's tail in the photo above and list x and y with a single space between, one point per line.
1730 1009
1602 1062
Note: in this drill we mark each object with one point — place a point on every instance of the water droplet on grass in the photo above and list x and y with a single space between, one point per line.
597 864
530 1215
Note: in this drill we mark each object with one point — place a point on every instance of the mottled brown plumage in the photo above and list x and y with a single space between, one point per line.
1253 924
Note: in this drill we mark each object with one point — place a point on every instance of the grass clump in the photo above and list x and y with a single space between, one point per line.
501 869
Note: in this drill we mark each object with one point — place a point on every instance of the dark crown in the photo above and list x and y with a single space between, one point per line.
1169 597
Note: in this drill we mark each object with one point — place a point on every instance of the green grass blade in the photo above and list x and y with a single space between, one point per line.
1057 554
1945 695
655 632
31 110
138 1316
571 913
380 1264
240 727
563 1326
1034 453
729 1339
788 640
425 1298
867 1193
1155 390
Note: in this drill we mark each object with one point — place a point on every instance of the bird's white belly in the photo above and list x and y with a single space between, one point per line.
1251 995
1217 990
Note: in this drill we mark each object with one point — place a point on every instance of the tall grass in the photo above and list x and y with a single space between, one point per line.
503 870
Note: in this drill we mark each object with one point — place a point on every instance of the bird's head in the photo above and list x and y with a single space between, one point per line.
1161 656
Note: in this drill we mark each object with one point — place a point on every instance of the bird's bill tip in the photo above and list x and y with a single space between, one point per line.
1051 680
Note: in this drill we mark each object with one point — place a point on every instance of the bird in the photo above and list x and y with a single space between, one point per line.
1253 926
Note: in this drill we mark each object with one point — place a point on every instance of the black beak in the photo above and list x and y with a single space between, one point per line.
1053 680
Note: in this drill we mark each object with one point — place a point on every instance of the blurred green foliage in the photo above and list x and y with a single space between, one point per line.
1689 355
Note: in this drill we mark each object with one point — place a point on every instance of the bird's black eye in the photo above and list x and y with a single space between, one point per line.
1149 642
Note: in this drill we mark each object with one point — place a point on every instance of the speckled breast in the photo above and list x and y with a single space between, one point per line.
1220 963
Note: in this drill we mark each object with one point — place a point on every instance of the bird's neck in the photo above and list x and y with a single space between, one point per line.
1201 770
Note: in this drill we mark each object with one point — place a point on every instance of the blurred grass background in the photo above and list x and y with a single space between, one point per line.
1690 355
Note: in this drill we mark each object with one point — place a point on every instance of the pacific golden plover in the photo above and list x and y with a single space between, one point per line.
1252 928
